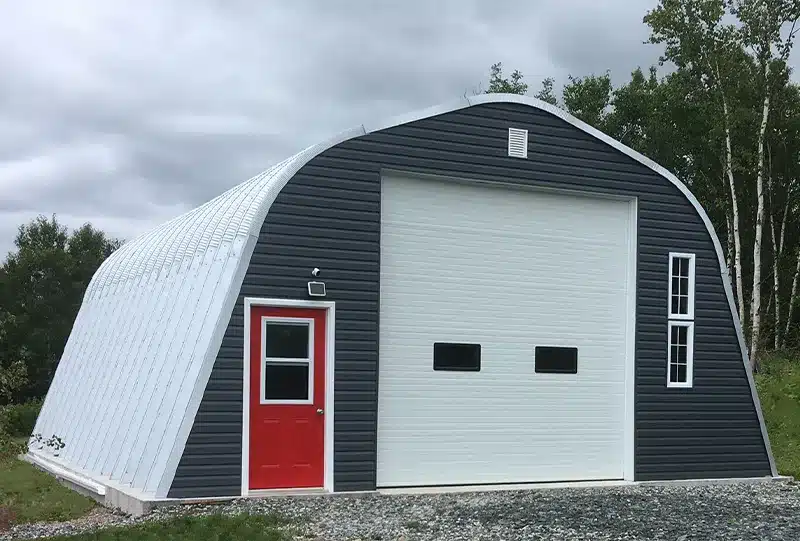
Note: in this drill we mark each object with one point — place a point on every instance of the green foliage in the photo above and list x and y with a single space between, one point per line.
11 446
19 419
41 289
546 94
13 378
589 98
34 496
763 22
197 528
778 384
505 85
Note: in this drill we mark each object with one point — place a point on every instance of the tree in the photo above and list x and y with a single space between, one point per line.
546 94
41 288
506 85
760 33
700 45
783 198
13 378
589 98
734 60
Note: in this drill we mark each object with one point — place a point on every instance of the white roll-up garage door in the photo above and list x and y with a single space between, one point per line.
510 271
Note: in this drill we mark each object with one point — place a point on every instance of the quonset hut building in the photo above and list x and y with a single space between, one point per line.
485 292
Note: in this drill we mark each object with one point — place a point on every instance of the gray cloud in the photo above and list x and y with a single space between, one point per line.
594 37
126 114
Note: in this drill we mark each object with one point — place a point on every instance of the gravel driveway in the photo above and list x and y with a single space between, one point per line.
762 512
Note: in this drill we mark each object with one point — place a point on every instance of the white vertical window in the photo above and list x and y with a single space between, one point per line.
681 286
680 328
679 356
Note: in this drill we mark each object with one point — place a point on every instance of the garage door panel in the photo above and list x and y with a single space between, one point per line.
556 328
430 252
509 270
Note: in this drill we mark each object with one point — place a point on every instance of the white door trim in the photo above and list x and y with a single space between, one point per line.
630 350
330 341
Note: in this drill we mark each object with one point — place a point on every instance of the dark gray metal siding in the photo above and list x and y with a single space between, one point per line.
328 216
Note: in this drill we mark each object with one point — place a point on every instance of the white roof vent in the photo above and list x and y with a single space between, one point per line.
517 143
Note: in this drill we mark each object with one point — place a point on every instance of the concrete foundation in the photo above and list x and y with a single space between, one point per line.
116 499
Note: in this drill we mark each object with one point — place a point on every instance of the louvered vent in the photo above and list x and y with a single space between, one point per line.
517 143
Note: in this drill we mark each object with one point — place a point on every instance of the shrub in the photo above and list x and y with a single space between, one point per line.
10 446
12 379
18 420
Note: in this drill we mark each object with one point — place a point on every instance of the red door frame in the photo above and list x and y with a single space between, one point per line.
330 325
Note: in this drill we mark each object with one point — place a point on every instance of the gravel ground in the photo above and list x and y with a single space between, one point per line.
762 512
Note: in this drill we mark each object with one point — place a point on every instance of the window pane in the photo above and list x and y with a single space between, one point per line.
680 267
286 381
287 341
683 305
682 330
457 357
681 357
673 373
681 373
675 304
556 360
674 337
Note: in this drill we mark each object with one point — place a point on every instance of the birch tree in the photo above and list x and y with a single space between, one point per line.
762 34
792 296
783 141
782 171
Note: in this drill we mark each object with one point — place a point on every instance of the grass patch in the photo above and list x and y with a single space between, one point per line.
778 384
215 527
32 495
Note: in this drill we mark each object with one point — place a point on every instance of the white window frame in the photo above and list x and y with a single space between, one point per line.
681 320
309 360
689 316
689 325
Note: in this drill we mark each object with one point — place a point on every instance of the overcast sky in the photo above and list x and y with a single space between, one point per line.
125 114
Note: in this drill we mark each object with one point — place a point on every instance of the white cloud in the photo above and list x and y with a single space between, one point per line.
55 167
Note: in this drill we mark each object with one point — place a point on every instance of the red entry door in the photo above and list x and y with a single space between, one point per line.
287 398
